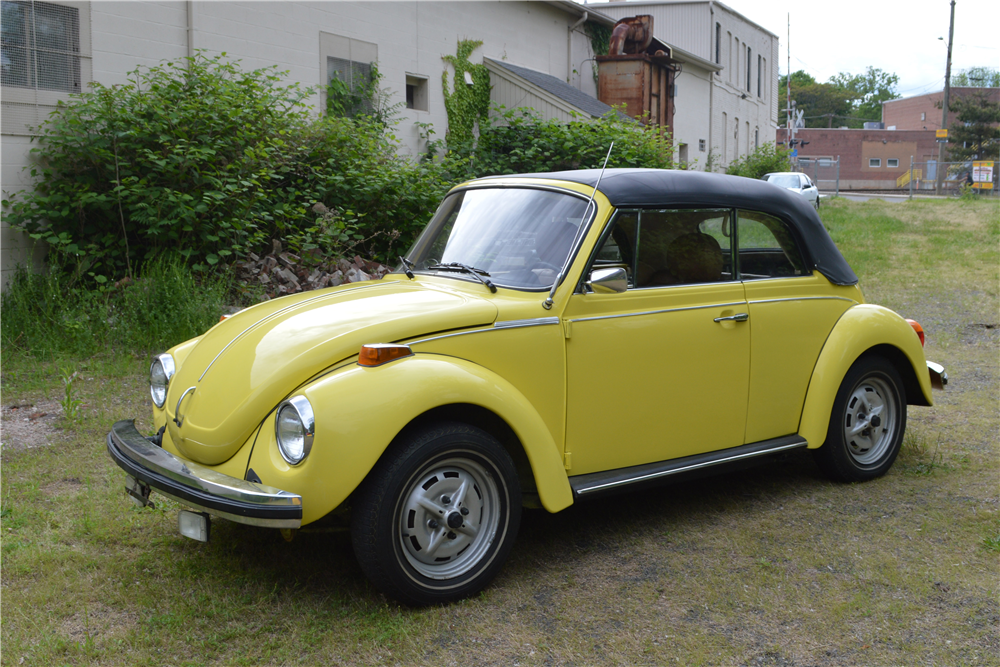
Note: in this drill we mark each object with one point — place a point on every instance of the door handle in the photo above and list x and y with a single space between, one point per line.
738 317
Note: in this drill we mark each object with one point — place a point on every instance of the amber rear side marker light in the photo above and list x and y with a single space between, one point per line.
919 329
376 354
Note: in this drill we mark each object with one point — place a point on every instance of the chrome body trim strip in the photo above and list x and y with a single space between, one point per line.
277 313
200 487
533 322
593 482
805 298
450 335
657 312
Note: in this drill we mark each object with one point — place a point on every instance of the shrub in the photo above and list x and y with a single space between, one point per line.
190 155
764 160
519 141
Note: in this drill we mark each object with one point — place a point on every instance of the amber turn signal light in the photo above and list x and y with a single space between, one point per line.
377 354
919 329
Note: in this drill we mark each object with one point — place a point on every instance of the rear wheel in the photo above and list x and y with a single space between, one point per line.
437 516
867 423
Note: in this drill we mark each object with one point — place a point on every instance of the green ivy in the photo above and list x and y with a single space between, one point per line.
466 105
600 41
600 37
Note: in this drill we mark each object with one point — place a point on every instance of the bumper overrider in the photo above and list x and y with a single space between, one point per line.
199 487
939 378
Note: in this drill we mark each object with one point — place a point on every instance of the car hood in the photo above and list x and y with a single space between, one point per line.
243 367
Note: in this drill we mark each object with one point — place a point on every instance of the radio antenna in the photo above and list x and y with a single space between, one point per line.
547 304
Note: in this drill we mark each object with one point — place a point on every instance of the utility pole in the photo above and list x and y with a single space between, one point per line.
944 113
788 82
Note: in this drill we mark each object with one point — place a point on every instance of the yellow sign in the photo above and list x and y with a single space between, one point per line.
982 175
941 134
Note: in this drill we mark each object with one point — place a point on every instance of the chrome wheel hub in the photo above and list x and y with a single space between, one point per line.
449 517
870 420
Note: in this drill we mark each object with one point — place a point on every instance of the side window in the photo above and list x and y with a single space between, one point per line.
670 247
767 248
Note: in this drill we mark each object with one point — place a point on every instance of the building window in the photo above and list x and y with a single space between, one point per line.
760 65
45 58
764 71
416 92
732 51
349 61
756 137
923 115
41 46
874 162
701 145
748 69
682 153
718 43
892 163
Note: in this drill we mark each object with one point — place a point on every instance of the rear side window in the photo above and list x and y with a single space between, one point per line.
767 248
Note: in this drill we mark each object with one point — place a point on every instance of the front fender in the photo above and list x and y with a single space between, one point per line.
860 329
360 410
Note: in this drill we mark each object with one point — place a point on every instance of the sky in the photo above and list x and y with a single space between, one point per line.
898 36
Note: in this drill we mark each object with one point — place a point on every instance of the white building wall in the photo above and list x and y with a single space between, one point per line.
411 38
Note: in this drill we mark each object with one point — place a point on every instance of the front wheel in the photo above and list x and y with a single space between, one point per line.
437 516
867 423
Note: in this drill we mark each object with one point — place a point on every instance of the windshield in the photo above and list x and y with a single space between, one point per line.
519 236
785 180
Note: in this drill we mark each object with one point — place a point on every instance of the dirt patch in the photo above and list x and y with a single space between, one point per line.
98 624
25 424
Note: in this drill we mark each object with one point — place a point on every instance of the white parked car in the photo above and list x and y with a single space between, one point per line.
800 183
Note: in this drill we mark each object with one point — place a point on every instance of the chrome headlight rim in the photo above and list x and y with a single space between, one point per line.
303 410
166 364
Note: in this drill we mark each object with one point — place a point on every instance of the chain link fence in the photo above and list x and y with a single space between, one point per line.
824 172
969 178
951 179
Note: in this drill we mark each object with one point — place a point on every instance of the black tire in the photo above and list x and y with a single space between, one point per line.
435 519
867 423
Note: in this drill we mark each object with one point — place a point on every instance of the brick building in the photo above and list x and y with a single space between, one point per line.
869 159
923 112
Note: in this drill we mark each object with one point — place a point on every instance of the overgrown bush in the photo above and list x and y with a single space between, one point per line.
46 314
191 155
202 158
764 160
520 141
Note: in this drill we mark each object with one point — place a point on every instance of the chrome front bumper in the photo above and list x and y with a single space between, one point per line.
939 379
200 487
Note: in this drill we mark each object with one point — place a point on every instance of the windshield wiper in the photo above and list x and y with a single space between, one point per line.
465 268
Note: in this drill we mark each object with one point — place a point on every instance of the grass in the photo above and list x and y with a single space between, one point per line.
773 566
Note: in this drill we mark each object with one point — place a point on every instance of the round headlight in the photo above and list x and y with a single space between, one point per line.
294 428
160 372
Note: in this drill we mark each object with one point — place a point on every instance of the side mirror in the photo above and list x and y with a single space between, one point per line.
608 281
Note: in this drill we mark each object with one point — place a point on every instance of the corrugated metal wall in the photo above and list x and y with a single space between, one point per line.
509 94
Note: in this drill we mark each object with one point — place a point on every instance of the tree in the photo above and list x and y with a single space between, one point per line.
977 77
976 133
822 103
869 91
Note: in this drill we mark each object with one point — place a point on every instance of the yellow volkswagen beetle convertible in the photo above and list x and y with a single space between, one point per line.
548 339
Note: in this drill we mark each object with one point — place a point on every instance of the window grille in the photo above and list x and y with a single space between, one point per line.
357 76
42 60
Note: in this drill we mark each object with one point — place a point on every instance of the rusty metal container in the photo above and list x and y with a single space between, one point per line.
636 79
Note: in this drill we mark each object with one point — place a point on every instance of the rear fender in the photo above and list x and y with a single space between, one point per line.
862 328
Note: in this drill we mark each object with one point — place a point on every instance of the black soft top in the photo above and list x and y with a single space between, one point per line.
663 188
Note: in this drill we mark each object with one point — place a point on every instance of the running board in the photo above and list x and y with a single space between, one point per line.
585 486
